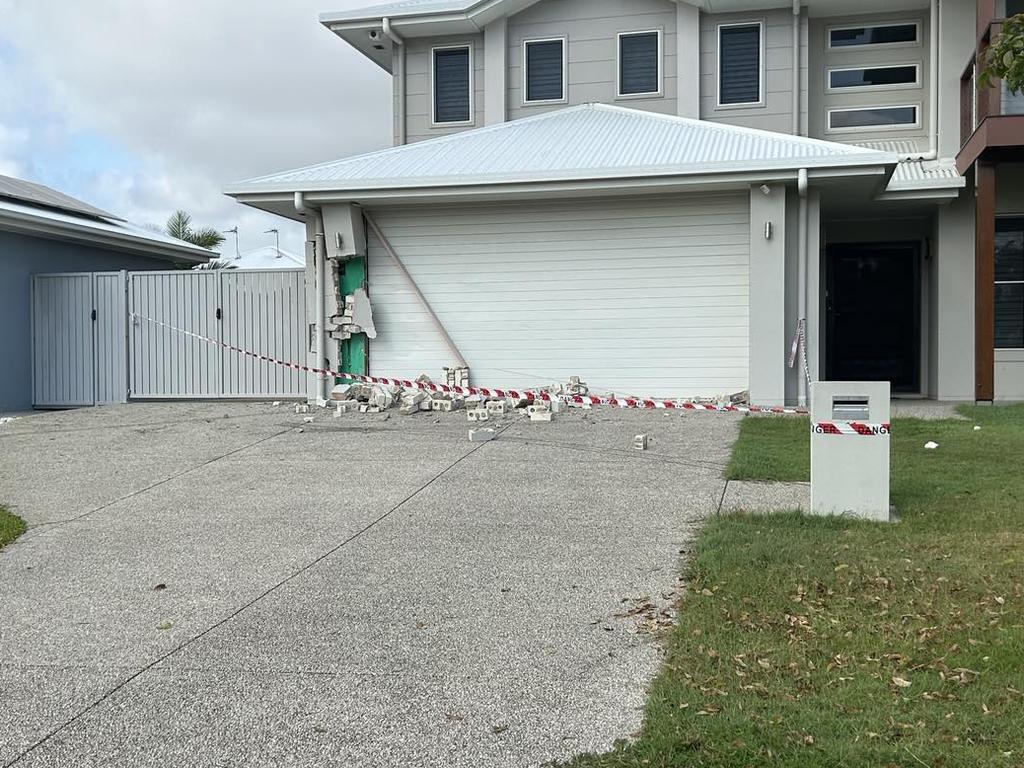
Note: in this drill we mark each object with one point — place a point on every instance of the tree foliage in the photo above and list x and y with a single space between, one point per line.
1004 59
179 226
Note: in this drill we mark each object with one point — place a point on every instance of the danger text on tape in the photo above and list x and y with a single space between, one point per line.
850 428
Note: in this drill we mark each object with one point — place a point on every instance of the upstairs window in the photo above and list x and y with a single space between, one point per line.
453 85
640 59
869 118
1010 283
886 76
544 71
878 34
739 64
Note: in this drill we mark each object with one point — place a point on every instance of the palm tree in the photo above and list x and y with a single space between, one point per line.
179 226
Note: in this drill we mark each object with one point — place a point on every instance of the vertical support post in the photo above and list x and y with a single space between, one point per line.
495 69
687 60
984 279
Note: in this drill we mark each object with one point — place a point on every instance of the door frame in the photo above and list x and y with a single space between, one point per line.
917 247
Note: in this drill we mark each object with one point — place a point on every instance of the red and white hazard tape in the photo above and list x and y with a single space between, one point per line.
529 395
850 428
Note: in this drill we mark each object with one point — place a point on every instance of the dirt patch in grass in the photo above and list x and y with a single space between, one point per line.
11 526
828 642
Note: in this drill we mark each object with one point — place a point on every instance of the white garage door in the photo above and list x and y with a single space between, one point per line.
645 296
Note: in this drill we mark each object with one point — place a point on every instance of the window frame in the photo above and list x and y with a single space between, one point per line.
915 85
916 125
1020 217
915 23
564 40
660 93
762 101
434 123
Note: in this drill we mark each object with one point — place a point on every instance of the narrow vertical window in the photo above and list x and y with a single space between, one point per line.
544 64
453 85
739 64
1009 308
639 63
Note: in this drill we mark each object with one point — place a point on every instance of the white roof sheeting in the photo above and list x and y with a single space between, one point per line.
401 8
264 257
588 142
913 175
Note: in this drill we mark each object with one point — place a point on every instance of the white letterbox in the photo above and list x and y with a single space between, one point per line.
850 449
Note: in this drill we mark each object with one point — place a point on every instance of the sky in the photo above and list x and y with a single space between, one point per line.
142 107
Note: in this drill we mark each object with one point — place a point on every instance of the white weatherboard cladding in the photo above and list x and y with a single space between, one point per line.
646 296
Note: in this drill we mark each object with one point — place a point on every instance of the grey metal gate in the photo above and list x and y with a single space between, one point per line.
262 311
78 339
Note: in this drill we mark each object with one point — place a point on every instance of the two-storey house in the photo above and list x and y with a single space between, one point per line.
655 195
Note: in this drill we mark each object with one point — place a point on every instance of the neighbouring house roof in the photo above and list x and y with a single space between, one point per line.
594 143
33 209
37 194
913 176
264 257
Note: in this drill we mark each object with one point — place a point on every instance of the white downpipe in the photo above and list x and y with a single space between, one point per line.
801 296
796 67
320 271
399 75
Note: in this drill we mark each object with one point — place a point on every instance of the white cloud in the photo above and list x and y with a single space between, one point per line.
200 92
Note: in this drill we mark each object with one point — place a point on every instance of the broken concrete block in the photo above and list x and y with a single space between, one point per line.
301 408
556 405
640 442
308 420
478 414
381 397
481 435
364 408
340 392
408 410
539 413
497 407
442 405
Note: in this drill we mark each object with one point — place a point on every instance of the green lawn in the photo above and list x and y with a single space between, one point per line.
828 642
11 526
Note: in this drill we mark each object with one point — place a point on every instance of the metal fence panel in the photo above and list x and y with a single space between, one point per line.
165 363
111 334
264 311
63 372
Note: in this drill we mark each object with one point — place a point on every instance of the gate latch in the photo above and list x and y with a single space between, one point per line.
94 315
220 315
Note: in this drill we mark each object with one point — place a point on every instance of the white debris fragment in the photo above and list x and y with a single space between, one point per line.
931 446
481 435
478 414
308 420
977 428
539 413
301 408
276 404
640 442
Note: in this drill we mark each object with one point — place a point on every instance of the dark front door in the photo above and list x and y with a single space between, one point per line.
873 317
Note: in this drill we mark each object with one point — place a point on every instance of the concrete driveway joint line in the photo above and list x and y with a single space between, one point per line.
51 525
264 594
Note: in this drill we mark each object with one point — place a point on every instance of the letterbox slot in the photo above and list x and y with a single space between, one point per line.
850 408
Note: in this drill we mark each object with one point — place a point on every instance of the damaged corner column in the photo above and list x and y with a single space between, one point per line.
349 316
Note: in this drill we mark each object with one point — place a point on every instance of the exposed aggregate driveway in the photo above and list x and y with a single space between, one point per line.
222 585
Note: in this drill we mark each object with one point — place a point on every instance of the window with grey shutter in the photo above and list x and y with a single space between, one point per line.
545 70
739 64
639 63
451 85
